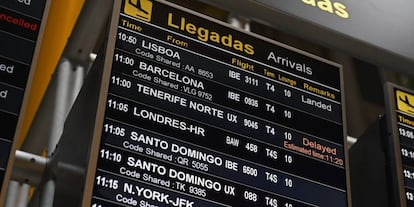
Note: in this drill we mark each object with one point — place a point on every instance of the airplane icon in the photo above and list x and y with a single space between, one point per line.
141 9
138 6
407 102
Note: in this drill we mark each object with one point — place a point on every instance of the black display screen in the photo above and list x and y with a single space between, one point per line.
404 126
20 23
201 114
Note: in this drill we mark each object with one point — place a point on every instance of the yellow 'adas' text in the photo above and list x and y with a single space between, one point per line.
332 7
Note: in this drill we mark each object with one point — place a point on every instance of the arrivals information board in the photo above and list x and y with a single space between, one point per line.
401 111
197 113
20 32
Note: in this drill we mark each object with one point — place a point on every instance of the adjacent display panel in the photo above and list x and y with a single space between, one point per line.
21 24
401 123
196 113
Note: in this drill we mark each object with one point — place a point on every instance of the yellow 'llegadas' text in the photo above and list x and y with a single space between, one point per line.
205 35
